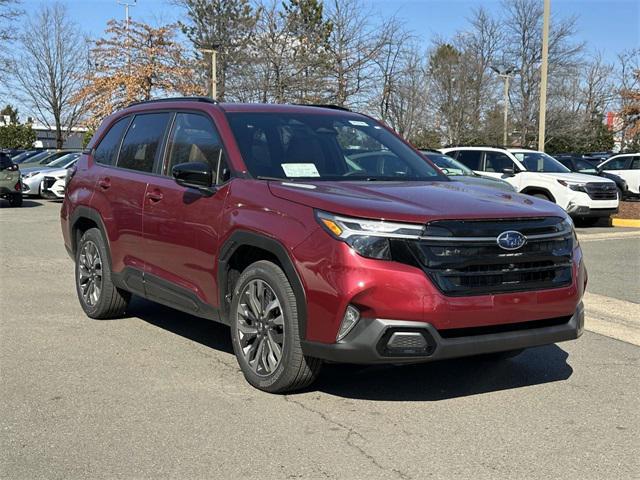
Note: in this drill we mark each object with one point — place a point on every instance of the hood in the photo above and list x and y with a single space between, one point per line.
54 172
416 202
35 168
575 177
486 181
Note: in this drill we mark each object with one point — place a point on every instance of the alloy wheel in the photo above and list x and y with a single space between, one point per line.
260 327
90 273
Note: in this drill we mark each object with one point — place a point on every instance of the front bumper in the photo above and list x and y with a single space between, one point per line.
367 342
584 211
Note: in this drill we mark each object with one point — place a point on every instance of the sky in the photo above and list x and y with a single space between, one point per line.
607 26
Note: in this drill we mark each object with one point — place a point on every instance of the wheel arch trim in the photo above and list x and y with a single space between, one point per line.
241 238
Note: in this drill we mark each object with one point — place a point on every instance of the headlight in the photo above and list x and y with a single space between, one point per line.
30 174
370 238
577 186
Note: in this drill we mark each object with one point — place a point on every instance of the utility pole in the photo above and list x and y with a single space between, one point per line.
126 10
506 76
214 75
543 75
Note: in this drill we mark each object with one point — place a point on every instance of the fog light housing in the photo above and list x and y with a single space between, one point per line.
351 317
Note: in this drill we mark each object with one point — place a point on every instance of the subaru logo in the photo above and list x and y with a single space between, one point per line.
511 240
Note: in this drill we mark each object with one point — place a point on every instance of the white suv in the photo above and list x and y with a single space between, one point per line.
626 166
585 197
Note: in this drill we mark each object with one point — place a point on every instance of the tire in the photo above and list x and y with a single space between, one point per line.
259 330
106 301
500 356
15 200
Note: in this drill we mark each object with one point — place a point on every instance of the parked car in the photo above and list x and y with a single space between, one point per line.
32 176
45 158
588 166
540 175
17 159
254 216
460 173
53 181
626 166
10 187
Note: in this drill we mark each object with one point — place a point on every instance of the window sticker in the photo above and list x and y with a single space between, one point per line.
358 123
300 170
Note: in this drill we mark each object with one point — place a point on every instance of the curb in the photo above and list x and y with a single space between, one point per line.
625 222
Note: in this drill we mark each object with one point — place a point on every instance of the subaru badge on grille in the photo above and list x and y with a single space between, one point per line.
511 240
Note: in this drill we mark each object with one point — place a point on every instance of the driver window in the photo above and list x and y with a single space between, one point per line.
194 139
497 162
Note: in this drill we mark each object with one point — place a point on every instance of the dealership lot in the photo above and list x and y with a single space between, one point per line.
159 394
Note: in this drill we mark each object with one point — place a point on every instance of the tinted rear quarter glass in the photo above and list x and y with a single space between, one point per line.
106 152
470 158
141 144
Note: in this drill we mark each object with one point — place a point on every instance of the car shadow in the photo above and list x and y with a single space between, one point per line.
208 333
422 382
25 204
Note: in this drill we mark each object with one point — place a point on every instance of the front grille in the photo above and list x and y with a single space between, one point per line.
48 182
476 265
601 191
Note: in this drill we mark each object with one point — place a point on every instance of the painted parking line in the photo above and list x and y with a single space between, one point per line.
616 235
613 318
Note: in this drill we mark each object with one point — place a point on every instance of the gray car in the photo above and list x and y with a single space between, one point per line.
461 173
32 176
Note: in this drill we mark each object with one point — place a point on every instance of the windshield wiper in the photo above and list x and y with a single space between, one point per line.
275 179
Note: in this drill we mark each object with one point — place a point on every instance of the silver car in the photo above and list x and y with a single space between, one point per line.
32 177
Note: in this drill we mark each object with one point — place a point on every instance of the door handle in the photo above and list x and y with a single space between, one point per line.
155 195
104 183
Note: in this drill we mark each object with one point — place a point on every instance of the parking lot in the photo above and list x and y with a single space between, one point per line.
159 394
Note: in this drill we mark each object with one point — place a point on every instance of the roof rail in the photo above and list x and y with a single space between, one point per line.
324 105
175 99
485 146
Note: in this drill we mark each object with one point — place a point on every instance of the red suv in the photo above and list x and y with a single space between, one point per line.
317 234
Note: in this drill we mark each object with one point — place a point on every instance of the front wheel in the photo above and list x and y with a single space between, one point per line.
265 331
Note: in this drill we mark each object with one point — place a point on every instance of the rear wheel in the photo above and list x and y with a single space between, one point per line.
98 296
15 200
265 331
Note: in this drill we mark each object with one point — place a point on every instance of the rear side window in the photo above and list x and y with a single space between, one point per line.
616 164
141 144
106 152
470 158
194 138
635 163
496 162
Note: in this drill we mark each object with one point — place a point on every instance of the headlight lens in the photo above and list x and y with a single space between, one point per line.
370 238
577 186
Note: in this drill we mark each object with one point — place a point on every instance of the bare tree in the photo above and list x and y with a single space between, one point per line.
47 72
9 13
628 81
354 44
523 26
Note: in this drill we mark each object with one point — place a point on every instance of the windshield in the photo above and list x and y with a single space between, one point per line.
325 147
540 162
584 166
452 166
64 160
37 158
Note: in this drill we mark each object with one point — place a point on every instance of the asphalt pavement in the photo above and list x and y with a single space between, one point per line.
159 394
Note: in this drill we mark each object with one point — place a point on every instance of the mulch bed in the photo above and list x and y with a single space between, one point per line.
629 210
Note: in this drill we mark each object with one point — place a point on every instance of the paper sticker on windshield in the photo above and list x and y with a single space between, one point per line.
300 170
358 123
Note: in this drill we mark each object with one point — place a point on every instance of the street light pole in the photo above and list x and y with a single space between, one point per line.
214 73
506 76
126 10
543 76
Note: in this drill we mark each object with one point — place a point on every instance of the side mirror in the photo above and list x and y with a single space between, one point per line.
196 175
445 171
509 172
